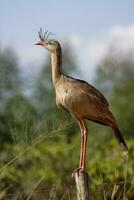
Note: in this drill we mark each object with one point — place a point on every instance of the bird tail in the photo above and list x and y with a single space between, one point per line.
120 139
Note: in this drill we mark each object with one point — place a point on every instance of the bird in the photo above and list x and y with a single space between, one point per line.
80 99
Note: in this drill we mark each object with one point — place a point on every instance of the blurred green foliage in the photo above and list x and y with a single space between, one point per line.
40 144
115 77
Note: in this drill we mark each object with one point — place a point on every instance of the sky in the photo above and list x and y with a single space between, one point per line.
90 27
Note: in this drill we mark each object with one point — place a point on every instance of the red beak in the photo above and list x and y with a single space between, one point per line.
39 43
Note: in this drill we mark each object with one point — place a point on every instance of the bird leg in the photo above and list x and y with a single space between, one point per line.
82 143
83 130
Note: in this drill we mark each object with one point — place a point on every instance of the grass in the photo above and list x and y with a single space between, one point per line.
42 168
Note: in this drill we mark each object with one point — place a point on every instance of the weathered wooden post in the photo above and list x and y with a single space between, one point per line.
83 185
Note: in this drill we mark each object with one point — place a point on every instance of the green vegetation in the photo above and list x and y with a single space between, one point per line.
40 144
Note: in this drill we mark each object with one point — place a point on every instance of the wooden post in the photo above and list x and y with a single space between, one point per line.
83 185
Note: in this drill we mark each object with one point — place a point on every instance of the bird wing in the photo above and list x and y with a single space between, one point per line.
89 89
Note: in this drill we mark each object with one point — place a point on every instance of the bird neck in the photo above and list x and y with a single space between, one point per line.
56 60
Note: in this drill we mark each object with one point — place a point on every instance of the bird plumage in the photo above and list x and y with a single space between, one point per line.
80 99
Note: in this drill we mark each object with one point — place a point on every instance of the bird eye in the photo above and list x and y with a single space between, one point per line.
51 43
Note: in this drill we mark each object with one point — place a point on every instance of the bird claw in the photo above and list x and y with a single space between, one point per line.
77 170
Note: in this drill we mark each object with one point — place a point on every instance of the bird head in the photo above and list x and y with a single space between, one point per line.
47 42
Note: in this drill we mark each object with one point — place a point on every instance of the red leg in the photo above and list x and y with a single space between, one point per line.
83 129
85 132
82 142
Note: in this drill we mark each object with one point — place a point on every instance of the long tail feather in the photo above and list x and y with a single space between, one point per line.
120 139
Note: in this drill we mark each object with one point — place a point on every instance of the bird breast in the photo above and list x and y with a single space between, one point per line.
72 99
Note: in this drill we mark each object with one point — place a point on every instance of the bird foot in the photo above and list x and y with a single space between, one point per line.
77 170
